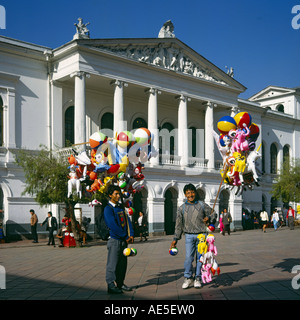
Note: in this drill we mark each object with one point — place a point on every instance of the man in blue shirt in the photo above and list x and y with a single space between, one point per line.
121 233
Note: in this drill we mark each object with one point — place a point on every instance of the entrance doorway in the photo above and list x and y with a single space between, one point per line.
170 209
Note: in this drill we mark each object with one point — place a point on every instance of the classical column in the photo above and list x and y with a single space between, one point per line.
209 137
119 123
153 122
183 145
79 107
10 137
56 119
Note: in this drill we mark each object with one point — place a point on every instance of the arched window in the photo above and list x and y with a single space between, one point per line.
263 158
224 200
280 107
107 121
273 157
69 126
1 122
194 141
139 123
170 128
263 202
286 153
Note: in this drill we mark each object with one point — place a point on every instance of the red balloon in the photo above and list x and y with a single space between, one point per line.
254 131
113 169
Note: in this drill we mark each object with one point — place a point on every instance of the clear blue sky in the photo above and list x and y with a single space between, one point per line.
255 37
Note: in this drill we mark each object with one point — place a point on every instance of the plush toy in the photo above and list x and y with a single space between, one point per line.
210 240
240 143
205 274
74 182
202 246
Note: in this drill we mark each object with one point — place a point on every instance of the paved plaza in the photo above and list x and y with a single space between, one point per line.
254 265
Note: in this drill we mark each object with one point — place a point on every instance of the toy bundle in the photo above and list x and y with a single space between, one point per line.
208 251
236 143
116 161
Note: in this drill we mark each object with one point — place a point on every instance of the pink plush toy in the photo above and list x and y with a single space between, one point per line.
205 274
210 240
240 143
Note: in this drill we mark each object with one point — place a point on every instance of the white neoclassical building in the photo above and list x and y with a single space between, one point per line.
60 96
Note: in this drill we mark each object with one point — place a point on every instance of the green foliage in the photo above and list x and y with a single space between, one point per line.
287 186
46 176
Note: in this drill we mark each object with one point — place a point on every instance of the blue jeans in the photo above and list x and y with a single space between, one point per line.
191 243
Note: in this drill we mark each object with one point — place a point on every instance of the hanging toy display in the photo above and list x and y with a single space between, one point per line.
236 143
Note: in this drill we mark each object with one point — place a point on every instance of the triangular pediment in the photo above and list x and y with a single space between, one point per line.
169 54
271 92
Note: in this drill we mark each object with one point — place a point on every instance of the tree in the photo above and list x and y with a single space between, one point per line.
46 173
287 185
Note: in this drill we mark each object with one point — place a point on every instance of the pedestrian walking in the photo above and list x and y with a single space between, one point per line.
51 227
227 219
142 224
291 217
275 219
264 219
221 222
121 234
33 226
192 218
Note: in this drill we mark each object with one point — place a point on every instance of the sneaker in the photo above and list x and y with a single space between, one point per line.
186 283
197 283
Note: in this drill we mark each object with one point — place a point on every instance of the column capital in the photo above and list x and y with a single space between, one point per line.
183 98
234 110
210 104
80 74
119 83
152 91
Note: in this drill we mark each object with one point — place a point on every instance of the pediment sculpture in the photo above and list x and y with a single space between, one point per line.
165 56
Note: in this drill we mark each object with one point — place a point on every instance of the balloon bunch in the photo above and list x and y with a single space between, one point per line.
116 161
236 143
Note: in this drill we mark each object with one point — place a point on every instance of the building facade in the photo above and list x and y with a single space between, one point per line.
59 97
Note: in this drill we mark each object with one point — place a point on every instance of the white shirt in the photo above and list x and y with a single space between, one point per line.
264 216
140 220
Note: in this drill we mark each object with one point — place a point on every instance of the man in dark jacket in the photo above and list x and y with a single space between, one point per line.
121 233
51 227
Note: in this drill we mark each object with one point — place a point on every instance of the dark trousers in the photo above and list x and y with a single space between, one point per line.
116 265
226 228
51 236
291 223
34 233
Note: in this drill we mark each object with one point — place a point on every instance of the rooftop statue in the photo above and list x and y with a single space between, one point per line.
82 31
167 30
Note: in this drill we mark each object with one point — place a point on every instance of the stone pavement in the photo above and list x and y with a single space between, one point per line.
254 265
